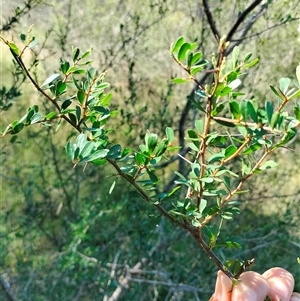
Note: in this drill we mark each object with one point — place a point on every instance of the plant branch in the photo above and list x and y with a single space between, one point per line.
210 20
241 18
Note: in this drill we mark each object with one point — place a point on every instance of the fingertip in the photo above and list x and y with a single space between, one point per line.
281 282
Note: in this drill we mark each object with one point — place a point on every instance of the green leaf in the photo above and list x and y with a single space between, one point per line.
196 69
170 134
151 141
252 148
99 154
36 118
179 80
251 64
183 50
177 44
50 115
234 84
140 159
112 187
298 73
275 91
267 165
207 180
50 81
81 140
243 110
284 84
60 88
203 204
33 42
274 119
70 150
14 48
194 137
64 67
229 151
161 148
196 58
81 96
218 109
297 112
114 151
87 149
200 93
189 57
199 124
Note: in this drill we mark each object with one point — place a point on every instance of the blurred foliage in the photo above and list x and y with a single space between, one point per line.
62 235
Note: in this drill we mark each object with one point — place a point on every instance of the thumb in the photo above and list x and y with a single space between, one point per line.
222 289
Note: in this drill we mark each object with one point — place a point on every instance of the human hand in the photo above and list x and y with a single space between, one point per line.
277 283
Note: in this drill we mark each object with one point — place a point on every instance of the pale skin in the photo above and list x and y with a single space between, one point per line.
277 283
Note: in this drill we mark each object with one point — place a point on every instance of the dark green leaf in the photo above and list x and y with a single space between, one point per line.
75 54
60 88
66 104
269 110
152 176
297 112
16 128
251 111
194 137
23 37
234 109
81 96
225 123
247 57
64 67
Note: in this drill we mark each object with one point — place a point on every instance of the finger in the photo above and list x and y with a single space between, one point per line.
222 289
252 287
281 283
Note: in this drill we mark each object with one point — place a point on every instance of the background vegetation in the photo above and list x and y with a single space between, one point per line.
63 237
